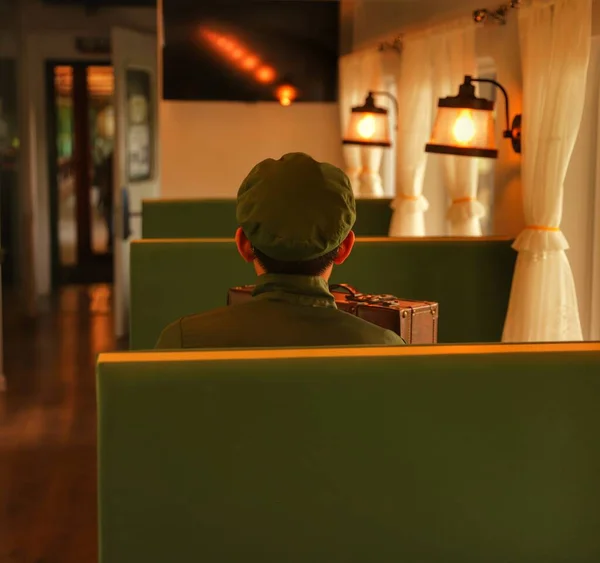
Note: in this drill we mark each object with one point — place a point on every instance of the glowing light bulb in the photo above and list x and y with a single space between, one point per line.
237 54
265 74
229 46
366 126
464 128
250 62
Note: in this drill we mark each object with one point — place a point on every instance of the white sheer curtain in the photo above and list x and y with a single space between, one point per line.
555 48
414 129
350 96
370 177
371 184
360 72
453 52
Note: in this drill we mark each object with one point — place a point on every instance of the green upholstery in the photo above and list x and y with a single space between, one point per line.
215 218
469 278
466 458
188 218
171 279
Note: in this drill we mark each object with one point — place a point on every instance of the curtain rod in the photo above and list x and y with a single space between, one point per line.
482 15
394 45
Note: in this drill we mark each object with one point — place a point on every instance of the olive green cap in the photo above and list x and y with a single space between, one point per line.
295 208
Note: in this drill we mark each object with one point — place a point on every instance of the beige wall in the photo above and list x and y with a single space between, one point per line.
207 148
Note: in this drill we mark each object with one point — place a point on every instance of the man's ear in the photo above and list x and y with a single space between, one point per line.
345 249
243 245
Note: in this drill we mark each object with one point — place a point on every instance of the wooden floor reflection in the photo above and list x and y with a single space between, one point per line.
48 429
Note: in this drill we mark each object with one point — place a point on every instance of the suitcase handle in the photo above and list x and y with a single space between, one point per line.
352 291
352 294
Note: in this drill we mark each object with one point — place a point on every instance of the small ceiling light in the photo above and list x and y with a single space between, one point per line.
237 53
265 74
464 125
369 124
250 62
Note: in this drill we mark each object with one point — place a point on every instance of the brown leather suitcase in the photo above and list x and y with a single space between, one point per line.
415 321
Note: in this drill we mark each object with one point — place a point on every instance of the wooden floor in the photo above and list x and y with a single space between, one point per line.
48 429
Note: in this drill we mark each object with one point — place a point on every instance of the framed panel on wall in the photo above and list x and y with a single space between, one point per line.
140 132
251 50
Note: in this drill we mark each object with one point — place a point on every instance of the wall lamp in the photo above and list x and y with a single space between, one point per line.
286 91
464 125
286 94
369 123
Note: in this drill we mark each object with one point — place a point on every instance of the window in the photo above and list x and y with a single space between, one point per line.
487 167
388 162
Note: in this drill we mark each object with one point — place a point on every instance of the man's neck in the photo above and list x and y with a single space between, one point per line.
260 271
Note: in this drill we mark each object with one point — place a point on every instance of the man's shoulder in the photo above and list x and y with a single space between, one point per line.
213 317
179 331
263 321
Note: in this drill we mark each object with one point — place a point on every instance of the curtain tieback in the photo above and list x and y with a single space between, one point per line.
463 200
410 203
543 228
458 213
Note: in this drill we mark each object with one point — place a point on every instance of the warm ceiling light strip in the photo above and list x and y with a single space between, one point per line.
239 55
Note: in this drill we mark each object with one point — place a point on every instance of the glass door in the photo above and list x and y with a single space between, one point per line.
101 112
9 171
82 172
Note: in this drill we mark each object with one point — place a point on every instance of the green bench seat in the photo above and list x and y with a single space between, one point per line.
470 278
447 454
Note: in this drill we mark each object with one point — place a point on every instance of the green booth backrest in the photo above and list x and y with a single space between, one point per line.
215 218
344 456
469 278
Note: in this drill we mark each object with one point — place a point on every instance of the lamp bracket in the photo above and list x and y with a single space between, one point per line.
393 99
514 133
513 130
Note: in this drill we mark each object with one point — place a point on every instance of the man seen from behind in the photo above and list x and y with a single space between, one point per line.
295 219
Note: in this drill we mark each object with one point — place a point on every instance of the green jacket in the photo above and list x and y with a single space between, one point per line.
286 311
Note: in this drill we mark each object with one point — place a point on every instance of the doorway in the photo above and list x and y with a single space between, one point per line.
9 171
81 144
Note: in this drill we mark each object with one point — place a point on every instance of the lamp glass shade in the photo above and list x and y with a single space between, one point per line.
368 129
464 132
